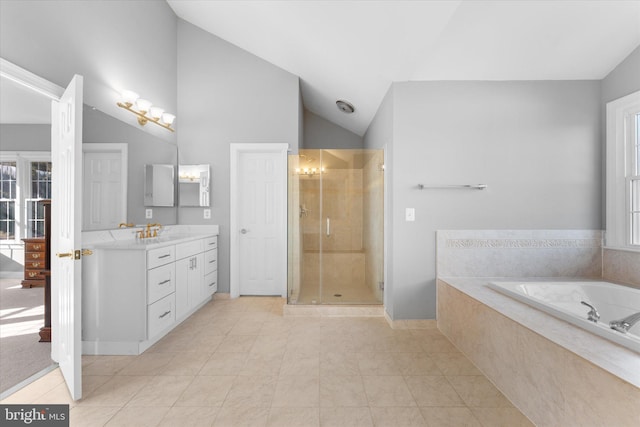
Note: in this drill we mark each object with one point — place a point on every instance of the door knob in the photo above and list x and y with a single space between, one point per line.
244 231
75 254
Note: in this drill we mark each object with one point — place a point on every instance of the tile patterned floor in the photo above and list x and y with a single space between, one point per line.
241 363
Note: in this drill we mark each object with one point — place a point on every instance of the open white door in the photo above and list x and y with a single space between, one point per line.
66 221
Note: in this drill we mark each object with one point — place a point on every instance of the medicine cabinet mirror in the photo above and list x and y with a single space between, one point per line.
159 189
193 185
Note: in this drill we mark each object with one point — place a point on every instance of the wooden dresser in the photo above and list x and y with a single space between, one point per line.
35 256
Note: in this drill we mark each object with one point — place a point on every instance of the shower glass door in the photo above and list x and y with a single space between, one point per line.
336 227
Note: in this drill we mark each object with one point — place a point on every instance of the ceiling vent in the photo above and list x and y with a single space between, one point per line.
345 107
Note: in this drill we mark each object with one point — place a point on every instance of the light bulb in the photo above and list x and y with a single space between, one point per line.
129 97
143 105
168 118
156 112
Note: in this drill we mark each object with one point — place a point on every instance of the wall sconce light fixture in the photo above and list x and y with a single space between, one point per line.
145 111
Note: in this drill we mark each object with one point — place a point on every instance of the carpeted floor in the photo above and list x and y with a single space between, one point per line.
21 317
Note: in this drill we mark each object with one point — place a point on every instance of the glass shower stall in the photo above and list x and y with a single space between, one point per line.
335 227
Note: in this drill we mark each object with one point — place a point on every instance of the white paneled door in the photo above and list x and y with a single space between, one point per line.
104 186
66 221
259 219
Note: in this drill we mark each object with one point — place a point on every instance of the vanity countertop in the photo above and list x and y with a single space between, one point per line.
125 239
148 243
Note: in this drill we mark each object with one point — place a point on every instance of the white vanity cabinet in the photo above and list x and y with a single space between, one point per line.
134 295
210 284
161 287
189 275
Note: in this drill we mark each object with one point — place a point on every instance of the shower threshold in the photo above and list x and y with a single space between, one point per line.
338 310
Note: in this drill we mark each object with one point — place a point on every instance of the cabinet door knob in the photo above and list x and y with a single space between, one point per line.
244 231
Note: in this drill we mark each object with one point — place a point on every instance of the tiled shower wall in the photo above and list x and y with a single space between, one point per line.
374 222
342 202
294 234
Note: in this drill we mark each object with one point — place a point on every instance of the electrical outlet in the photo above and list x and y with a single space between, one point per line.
206 214
410 214
148 213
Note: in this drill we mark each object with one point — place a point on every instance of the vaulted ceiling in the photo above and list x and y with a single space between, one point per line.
354 50
20 105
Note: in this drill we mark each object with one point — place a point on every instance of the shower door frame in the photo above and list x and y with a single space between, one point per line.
381 291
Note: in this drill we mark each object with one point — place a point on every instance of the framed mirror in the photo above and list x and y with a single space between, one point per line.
194 185
159 187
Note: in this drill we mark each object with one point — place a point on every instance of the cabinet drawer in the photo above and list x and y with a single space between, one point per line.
211 243
161 281
211 283
32 256
161 315
210 261
188 249
34 247
33 274
160 256
34 265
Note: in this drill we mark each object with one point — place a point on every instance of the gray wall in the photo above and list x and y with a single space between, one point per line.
98 127
25 137
294 150
114 44
535 144
143 148
379 135
624 79
621 81
226 95
320 133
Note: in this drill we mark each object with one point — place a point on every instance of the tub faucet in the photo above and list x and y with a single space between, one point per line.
593 314
623 325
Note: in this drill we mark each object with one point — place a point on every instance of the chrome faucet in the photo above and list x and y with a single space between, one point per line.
593 314
623 325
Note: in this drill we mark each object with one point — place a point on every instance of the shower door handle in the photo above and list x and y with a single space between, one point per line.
328 227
